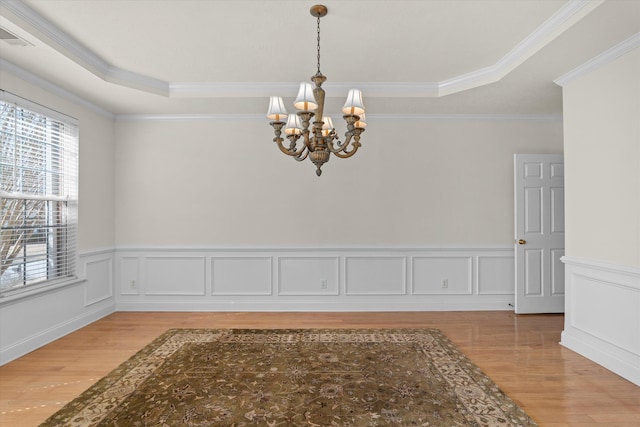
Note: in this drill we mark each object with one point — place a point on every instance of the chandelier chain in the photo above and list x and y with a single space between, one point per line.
319 45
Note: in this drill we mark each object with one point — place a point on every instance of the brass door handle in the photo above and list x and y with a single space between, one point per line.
522 242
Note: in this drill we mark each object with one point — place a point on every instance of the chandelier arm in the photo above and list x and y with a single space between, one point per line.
347 154
277 130
289 151
352 131
340 146
342 150
302 156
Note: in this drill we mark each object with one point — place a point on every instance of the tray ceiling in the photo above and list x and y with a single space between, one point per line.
227 57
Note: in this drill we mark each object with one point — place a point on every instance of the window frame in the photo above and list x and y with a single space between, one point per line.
62 166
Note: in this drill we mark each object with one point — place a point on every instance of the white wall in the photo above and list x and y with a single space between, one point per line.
31 321
602 198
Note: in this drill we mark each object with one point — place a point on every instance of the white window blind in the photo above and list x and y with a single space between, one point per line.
38 194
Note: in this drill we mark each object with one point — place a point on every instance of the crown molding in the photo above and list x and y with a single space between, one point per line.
261 90
466 117
188 117
370 118
29 20
569 14
605 57
52 88
35 24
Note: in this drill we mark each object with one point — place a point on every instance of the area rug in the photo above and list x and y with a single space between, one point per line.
356 377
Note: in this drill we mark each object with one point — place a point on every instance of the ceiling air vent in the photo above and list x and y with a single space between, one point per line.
12 39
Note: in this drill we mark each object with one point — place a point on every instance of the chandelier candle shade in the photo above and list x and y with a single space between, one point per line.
318 139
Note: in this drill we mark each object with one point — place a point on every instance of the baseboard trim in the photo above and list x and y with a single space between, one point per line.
617 360
322 305
53 333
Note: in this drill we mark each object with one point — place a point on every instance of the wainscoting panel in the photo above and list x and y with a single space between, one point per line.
375 275
308 275
450 275
33 319
597 295
99 274
174 275
129 275
241 275
301 279
496 275
602 319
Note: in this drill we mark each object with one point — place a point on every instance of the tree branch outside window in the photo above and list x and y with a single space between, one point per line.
38 199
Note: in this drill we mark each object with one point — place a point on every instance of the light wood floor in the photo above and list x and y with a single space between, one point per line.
556 386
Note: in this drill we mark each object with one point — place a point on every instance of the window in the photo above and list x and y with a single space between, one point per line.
38 194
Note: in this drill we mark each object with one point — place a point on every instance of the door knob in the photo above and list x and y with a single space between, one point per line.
522 242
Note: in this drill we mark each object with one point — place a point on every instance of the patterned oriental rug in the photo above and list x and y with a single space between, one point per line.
356 377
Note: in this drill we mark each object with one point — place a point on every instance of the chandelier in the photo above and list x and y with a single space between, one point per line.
318 139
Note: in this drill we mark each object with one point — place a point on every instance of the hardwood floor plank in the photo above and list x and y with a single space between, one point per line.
556 386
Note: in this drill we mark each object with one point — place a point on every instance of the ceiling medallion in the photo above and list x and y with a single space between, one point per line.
319 141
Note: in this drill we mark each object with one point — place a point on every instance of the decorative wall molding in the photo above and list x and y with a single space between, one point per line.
261 279
13 350
36 25
33 23
313 279
99 274
492 272
228 274
602 320
605 57
375 275
53 88
572 12
449 274
605 267
173 274
372 117
63 93
60 310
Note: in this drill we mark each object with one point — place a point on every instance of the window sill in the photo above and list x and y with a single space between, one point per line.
26 292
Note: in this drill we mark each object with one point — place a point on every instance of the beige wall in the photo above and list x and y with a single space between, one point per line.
96 223
443 183
215 183
602 155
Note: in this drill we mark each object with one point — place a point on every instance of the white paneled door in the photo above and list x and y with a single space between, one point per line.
539 233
